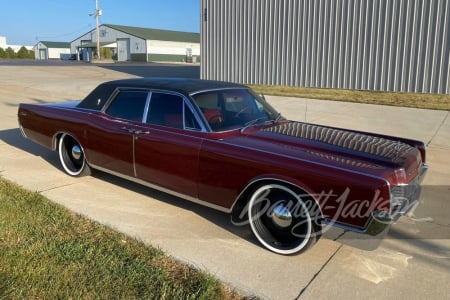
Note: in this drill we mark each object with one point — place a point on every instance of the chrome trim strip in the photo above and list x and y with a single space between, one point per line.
376 225
196 115
422 173
147 105
218 89
134 137
343 226
162 189
22 131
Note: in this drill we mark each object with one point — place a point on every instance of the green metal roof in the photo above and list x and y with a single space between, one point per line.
55 44
158 34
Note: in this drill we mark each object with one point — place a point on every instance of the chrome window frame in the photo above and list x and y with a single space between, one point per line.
187 103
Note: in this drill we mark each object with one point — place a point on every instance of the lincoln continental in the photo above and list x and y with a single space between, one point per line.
221 145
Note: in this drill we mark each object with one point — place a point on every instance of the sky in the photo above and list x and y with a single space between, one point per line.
28 21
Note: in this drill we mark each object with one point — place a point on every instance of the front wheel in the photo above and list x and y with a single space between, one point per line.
72 157
282 220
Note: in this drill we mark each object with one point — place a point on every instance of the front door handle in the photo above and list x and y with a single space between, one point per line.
135 131
141 132
130 130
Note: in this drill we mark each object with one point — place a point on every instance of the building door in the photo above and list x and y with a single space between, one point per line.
43 54
123 49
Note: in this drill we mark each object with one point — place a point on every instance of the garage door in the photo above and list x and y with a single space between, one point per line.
123 49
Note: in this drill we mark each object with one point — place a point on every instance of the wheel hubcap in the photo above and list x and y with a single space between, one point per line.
281 216
76 152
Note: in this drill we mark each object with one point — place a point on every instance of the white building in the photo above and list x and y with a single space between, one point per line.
52 50
139 44
16 48
3 42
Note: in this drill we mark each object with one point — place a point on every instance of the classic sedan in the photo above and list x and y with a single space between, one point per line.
221 145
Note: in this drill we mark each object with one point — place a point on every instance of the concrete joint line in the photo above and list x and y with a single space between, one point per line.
55 188
439 128
318 272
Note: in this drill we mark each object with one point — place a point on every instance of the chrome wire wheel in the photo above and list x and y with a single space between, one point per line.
281 220
72 157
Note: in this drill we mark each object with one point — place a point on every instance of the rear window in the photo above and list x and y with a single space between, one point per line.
98 97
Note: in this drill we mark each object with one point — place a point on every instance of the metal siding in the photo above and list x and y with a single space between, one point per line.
386 45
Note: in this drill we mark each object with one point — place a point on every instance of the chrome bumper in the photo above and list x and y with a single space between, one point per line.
404 199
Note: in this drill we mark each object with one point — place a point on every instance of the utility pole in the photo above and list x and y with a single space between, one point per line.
98 12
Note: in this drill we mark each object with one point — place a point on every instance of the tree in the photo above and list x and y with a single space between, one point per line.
10 53
23 53
2 53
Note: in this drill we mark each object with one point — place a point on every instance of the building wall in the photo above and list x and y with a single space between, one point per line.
58 53
139 49
107 34
42 52
384 45
170 51
3 42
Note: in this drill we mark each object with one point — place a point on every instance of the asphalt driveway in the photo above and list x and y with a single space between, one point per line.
412 262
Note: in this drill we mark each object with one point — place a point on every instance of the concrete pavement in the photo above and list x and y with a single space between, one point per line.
408 264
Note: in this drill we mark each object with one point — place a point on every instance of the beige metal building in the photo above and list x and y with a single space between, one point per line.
383 45
139 44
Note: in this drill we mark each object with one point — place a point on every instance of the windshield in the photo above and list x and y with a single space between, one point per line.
233 108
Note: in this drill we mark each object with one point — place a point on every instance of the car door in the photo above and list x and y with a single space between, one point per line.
167 148
111 135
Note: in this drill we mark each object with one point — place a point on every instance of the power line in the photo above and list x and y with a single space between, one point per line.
83 29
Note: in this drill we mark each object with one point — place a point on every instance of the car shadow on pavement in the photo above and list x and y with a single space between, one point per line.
13 137
218 218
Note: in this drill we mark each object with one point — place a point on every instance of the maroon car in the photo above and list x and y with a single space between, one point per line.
221 145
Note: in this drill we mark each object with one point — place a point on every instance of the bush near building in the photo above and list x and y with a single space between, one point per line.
23 53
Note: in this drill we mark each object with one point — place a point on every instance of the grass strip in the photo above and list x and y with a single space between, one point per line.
414 100
48 252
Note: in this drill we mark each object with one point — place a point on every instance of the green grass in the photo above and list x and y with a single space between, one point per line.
48 252
415 100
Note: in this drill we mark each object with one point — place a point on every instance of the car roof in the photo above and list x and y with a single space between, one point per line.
186 86
181 85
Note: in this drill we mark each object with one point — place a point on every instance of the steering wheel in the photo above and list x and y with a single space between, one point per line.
242 110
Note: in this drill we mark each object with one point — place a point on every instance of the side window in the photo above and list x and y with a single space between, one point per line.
166 110
189 119
207 100
128 105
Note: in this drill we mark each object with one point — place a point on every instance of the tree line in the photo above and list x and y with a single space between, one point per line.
22 53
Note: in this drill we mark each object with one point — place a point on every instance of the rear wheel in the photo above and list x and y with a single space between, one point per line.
282 220
72 157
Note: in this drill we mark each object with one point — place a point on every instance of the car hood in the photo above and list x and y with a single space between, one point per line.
339 147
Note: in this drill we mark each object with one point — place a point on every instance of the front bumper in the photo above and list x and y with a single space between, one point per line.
404 200
371 236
